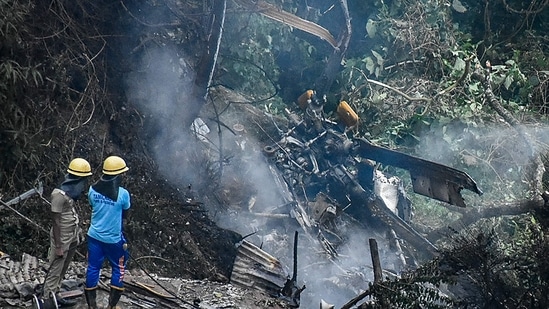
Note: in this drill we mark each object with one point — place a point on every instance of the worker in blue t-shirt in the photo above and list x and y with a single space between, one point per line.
109 202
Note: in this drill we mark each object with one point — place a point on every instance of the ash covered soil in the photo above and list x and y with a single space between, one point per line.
143 289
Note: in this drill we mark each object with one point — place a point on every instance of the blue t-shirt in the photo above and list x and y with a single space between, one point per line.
106 218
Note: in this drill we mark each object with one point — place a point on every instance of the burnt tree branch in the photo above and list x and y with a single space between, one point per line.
325 80
207 63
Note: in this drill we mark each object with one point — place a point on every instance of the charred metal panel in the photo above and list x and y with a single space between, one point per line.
255 268
429 178
437 188
401 227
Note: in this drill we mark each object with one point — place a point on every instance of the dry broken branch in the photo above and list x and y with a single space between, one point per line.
460 79
409 98
375 82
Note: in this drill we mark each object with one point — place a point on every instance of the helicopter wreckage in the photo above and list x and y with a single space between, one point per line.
327 178
326 181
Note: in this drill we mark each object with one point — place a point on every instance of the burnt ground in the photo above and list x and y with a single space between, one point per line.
143 289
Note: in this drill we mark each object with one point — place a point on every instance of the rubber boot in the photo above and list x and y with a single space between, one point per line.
91 294
64 302
114 296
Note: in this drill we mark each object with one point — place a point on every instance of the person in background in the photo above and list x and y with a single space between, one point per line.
109 202
65 231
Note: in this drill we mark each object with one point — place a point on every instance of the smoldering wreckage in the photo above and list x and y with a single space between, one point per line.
327 181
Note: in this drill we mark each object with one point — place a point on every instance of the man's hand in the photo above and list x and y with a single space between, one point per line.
80 237
59 252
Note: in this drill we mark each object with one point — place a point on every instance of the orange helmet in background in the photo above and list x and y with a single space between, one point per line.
346 114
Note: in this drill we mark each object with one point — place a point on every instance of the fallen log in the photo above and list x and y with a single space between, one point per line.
23 196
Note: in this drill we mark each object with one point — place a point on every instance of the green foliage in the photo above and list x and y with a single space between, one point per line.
249 58
511 82
502 260
13 73
457 127
420 288
12 29
12 15
255 56
507 259
17 233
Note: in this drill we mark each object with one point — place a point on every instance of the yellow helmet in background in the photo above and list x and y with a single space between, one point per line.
79 167
114 165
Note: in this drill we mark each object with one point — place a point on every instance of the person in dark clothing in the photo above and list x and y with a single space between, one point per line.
109 202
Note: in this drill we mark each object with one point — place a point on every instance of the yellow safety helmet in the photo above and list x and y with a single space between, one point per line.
114 165
79 167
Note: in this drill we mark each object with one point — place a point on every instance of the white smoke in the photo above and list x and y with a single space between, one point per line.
495 155
160 89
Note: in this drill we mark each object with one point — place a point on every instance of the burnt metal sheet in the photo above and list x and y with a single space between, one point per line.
257 269
437 188
401 227
431 179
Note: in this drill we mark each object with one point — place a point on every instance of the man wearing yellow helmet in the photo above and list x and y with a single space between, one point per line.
109 202
65 231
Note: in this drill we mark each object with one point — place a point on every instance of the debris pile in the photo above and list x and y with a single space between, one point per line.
20 280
